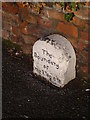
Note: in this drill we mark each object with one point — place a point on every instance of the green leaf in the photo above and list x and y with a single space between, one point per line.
79 5
68 16
62 4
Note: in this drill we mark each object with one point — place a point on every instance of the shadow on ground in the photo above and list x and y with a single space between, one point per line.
25 96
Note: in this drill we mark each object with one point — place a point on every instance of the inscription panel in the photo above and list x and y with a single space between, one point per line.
54 59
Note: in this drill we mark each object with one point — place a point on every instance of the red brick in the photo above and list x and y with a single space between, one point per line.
53 14
34 30
12 19
79 22
25 30
85 55
6 26
84 35
20 41
5 34
31 30
38 31
27 49
67 29
24 13
20 5
4 6
29 39
24 24
31 19
74 42
89 60
85 69
16 31
14 38
24 27
82 45
88 22
12 8
45 22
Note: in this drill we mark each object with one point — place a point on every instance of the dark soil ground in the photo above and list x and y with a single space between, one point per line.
25 96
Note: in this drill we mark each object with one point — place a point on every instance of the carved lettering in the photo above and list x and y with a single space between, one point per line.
46 53
53 79
54 59
57 66
44 59
46 67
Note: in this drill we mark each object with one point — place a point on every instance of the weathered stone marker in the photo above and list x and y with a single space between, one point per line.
54 59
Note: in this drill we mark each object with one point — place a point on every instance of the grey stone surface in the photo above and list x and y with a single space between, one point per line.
54 59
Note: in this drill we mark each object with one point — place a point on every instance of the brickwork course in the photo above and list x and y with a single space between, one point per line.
24 26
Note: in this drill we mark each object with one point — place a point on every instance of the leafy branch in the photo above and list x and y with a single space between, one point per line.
70 7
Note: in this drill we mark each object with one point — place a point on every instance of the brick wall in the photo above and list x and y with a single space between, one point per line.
24 26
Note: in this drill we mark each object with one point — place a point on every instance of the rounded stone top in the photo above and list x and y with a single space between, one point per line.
54 59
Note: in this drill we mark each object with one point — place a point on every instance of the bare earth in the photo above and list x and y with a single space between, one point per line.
25 96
